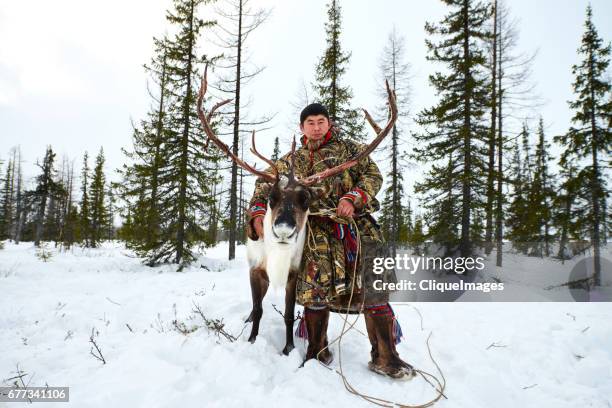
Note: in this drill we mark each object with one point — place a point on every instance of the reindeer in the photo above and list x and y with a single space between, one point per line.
277 257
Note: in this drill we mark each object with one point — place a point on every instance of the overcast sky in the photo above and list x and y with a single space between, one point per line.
71 70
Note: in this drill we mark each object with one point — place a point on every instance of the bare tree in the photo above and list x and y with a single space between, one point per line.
394 67
19 199
515 100
236 23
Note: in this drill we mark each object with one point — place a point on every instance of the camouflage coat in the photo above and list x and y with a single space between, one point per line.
324 277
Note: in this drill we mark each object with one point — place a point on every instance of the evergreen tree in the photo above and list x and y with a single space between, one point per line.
110 221
141 178
85 217
590 137
477 229
136 218
491 176
70 216
98 208
418 237
566 212
442 213
52 221
542 195
527 159
186 164
6 201
2 218
46 187
518 211
328 80
454 129
19 200
71 224
276 151
406 232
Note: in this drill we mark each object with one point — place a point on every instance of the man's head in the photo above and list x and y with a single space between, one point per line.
314 121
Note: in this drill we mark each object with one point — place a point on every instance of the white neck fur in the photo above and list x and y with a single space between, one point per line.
280 258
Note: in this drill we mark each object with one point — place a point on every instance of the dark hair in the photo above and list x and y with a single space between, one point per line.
312 110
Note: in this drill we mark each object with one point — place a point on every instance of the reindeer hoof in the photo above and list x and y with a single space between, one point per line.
252 339
399 372
288 349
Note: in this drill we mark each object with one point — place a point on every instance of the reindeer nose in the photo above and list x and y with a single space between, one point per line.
283 231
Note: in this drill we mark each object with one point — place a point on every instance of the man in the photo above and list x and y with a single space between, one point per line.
334 266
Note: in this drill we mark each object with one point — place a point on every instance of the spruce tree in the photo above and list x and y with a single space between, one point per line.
518 211
543 193
186 164
70 216
2 218
52 220
140 186
98 208
454 129
110 219
418 237
6 201
19 200
329 88
566 209
406 232
46 187
276 151
85 217
491 171
590 137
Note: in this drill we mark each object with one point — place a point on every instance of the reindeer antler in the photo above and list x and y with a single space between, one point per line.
205 120
316 178
256 153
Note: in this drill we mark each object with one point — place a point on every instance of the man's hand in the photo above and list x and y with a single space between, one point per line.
345 208
258 225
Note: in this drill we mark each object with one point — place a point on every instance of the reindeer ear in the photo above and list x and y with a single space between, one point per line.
266 187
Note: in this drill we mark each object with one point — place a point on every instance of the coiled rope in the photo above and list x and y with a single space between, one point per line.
441 385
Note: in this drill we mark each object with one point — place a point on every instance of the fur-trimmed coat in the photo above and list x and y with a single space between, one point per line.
324 278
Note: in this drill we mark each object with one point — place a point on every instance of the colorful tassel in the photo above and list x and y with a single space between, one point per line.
397 331
302 331
385 309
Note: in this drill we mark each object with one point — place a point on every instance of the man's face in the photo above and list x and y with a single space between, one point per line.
315 127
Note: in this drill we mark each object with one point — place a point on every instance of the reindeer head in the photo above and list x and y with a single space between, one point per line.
288 204
288 201
290 198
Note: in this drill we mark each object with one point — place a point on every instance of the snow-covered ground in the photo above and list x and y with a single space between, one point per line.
492 354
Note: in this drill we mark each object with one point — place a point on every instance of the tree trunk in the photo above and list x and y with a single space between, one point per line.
236 140
491 167
500 146
180 235
465 245
595 185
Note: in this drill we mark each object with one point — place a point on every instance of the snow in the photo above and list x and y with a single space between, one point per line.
492 354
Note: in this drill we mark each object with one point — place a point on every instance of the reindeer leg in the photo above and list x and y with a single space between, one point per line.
259 287
289 311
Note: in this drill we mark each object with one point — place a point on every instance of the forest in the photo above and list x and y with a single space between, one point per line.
483 183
